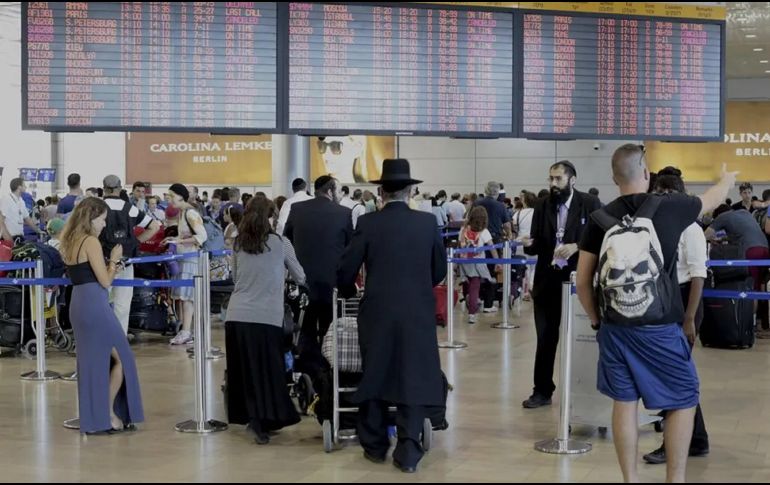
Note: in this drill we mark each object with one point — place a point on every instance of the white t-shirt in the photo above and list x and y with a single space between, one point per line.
692 254
15 212
348 202
455 211
524 221
484 239
358 211
283 216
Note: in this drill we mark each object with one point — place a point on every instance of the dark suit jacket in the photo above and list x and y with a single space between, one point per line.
320 230
404 257
548 279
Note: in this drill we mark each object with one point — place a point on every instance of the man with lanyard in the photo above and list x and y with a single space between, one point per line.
15 212
557 226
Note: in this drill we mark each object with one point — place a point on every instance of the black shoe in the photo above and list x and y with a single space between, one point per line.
259 438
536 401
405 469
657 457
442 426
374 459
696 452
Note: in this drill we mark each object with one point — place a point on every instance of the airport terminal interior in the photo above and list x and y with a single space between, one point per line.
380 242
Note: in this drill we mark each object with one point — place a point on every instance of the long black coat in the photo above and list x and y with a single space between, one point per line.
319 230
404 257
548 280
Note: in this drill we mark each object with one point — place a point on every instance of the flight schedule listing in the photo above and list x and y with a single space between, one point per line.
587 76
150 65
380 69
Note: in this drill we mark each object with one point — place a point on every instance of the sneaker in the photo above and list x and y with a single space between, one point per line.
472 319
536 401
657 457
490 310
182 338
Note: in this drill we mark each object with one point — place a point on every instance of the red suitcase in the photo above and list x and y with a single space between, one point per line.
439 293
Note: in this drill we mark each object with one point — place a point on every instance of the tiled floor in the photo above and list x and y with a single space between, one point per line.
491 437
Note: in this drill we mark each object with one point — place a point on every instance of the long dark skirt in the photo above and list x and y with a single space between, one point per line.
97 332
256 377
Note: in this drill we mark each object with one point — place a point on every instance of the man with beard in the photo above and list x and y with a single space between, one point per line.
557 227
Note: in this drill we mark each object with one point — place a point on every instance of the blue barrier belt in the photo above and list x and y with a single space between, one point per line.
219 254
738 264
479 249
736 295
12 266
116 283
162 259
512 262
451 234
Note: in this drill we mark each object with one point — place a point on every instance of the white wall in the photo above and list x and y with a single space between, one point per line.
467 165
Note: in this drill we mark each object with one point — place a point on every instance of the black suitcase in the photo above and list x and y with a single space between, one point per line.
152 318
10 333
10 303
728 323
728 252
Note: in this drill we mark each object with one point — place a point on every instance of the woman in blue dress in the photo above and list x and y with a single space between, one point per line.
108 386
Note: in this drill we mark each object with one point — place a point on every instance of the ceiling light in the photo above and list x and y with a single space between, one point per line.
764 61
758 49
751 36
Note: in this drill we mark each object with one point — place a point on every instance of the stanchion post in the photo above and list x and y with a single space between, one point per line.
450 294
41 374
200 424
211 352
563 445
506 303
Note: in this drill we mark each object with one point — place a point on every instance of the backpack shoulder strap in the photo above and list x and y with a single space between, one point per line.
604 219
127 209
649 207
192 229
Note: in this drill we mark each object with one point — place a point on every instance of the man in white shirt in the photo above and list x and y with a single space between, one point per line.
455 211
299 186
346 200
359 208
15 211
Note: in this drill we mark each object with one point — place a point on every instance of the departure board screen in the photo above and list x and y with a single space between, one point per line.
609 77
170 66
399 70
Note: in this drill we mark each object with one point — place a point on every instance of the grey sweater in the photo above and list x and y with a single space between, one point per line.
259 283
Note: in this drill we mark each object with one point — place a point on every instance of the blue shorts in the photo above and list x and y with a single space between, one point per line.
653 363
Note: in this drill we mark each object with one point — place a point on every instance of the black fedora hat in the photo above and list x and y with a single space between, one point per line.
396 173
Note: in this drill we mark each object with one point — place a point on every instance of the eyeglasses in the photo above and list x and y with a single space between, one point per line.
336 147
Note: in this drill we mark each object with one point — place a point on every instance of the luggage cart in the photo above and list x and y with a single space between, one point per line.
345 309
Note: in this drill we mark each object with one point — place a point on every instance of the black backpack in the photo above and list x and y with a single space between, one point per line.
635 286
119 230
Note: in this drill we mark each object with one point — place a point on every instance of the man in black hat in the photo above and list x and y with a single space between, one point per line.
396 321
320 229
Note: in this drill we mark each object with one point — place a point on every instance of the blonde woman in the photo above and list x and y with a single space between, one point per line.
109 398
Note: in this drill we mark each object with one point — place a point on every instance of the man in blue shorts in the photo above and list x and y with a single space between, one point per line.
643 353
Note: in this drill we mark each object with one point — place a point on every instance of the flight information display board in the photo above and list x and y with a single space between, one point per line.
131 66
358 68
586 76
